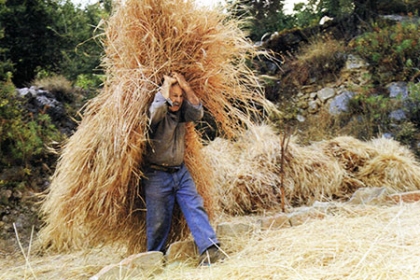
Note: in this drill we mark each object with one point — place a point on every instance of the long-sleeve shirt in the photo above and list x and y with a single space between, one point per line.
167 131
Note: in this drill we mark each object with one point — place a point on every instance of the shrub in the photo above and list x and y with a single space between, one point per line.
23 136
394 49
320 61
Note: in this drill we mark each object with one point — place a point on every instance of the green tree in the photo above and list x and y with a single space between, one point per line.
6 65
265 16
29 37
50 36
81 49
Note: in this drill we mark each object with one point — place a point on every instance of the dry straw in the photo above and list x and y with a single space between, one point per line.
248 170
395 167
94 197
248 173
352 242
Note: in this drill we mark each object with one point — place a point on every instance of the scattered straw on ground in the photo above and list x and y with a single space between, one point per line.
356 242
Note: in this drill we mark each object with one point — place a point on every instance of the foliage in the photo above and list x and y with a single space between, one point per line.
264 16
90 81
305 15
321 60
29 36
23 136
82 50
309 14
368 116
398 6
53 36
394 49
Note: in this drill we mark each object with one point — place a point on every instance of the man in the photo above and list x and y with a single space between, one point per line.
167 179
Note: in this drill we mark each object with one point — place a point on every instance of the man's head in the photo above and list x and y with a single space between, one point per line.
177 97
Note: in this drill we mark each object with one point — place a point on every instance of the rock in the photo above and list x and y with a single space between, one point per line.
275 222
312 95
304 215
325 207
355 62
397 115
6 194
22 91
325 94
233 230
312 106
406 197
181 251
340 103
143 264
300 118
368 196
398 89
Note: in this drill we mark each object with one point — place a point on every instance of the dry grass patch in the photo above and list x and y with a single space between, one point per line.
322 59
355 242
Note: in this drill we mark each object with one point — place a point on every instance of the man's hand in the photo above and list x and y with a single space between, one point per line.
189 93
167 83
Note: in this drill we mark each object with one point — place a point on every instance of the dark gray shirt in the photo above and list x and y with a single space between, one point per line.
167 131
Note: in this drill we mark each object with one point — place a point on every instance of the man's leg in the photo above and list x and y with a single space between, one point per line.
191 204
160 201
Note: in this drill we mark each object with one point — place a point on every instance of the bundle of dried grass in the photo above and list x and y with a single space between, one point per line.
311 175
247 171
249 178
94 196
350 152
395 167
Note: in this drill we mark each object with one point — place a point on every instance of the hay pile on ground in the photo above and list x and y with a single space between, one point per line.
249 177
246 171
94 197
394 167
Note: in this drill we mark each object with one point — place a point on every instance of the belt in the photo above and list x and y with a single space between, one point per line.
168 169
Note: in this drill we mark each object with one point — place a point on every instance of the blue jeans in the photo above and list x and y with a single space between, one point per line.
162 189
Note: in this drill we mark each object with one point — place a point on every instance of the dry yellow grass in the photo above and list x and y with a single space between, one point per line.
356 242
248 170
395 167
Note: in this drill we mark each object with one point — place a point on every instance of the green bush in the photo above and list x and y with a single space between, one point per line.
24 137
393 49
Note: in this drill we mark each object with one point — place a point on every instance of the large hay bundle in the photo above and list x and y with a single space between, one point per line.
395 167
248 176
94 196
350 152
247 171
312 175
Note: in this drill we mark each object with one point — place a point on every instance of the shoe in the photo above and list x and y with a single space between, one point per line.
210 256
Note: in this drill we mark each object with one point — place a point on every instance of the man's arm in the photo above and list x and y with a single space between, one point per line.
159 106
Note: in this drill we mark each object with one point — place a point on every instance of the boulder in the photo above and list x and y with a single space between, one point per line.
181 251
274 222
339 104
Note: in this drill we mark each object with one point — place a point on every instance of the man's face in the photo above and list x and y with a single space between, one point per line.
176 96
